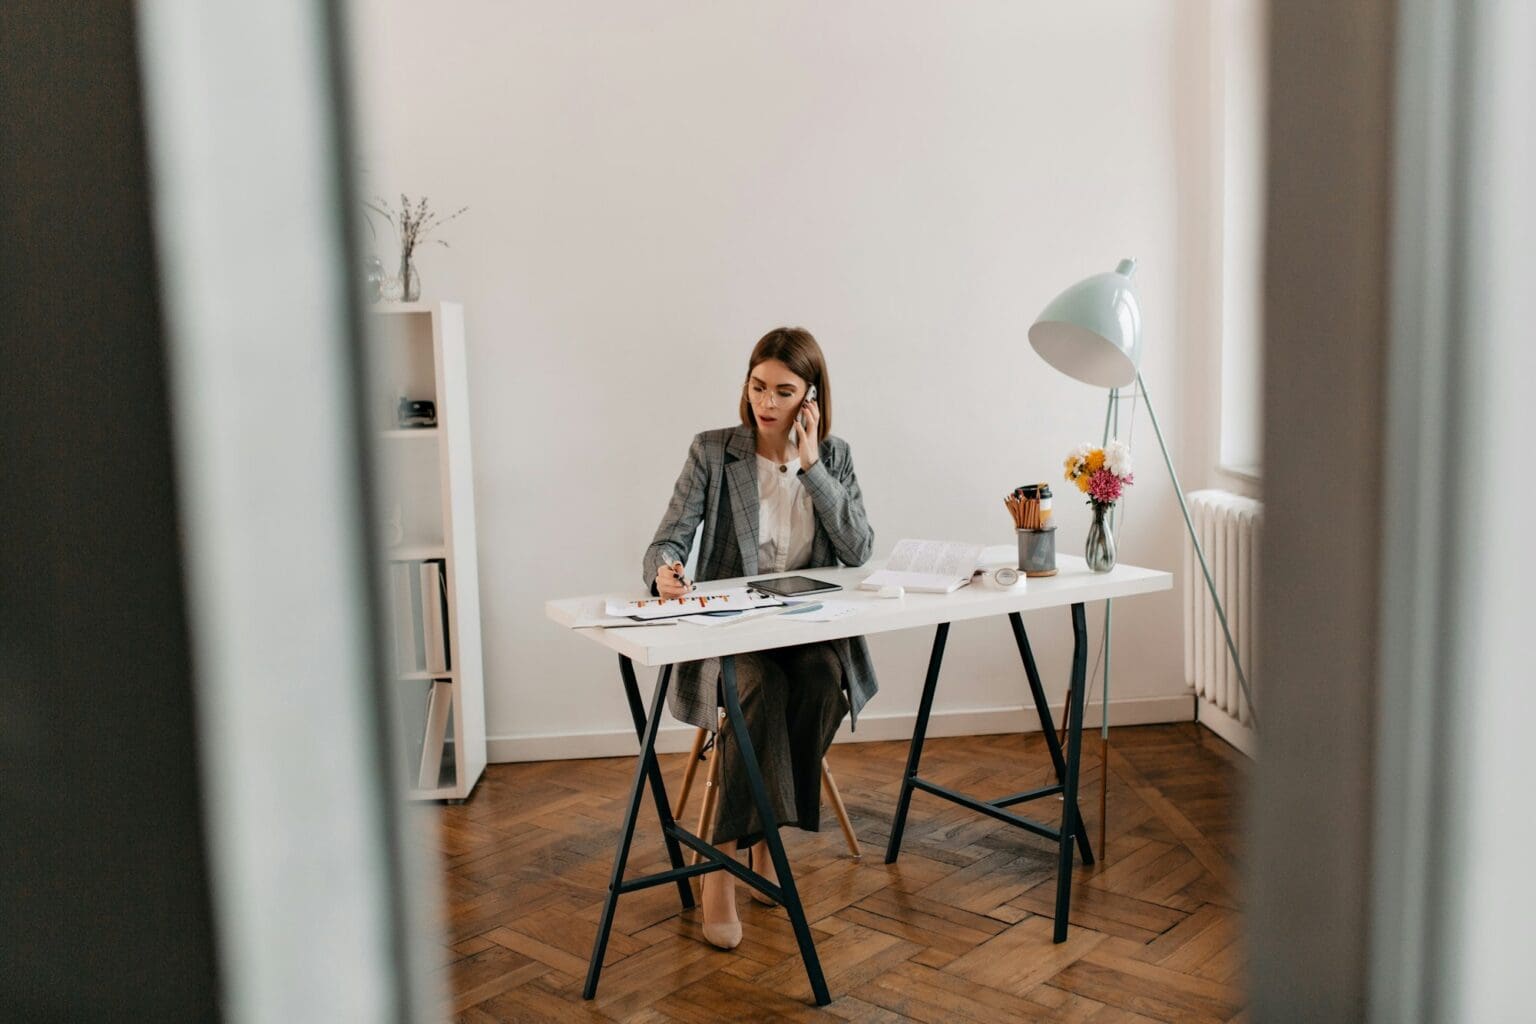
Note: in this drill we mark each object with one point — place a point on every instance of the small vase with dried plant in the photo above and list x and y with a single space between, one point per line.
414 224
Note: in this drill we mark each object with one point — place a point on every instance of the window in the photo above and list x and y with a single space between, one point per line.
1241 34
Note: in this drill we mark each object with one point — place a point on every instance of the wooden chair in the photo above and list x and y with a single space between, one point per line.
712 796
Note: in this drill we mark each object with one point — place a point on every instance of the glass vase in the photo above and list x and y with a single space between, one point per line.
1100 552
373 279
410 281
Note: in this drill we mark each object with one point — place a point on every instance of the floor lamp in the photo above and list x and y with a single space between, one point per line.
1092 332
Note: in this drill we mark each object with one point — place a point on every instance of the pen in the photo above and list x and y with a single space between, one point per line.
797 609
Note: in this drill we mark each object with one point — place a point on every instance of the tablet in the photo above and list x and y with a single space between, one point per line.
792 586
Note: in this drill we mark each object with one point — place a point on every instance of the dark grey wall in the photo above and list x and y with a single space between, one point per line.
104 906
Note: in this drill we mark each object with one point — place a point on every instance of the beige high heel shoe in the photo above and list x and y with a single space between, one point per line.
724 935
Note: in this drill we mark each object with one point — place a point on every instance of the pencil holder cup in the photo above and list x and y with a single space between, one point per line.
1037 551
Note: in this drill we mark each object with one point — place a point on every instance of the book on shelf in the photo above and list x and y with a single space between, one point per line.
418 617
420 646
435 735
927 566
434 594
412 700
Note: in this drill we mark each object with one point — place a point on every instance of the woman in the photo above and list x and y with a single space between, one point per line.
776 493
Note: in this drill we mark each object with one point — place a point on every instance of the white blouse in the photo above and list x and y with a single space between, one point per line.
786 521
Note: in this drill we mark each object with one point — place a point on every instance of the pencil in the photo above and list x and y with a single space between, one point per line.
1012 504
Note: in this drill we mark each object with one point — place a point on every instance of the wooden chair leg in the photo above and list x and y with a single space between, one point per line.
836 800
711 804
688 773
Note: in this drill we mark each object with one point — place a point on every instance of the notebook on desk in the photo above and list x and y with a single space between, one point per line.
927 567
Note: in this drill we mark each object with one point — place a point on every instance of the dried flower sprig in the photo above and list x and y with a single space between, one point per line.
413 224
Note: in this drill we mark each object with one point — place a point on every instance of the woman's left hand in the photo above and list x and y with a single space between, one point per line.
808 424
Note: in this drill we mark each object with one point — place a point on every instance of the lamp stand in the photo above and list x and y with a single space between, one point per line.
1205 569
1112 421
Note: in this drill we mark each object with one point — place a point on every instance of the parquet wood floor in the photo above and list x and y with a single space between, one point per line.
958 930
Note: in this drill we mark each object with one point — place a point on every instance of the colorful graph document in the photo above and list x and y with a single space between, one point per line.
734 599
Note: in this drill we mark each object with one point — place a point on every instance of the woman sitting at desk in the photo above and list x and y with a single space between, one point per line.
776 493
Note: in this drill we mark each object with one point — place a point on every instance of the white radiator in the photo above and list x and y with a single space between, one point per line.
1228 526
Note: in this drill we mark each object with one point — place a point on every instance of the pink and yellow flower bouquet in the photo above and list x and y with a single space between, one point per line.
1101 473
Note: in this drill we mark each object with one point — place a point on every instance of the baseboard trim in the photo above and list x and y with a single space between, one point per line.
677 738
1228 728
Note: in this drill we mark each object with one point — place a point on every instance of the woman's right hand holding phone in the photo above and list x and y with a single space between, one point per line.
670 581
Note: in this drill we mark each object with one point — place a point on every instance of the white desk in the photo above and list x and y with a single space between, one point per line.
665 646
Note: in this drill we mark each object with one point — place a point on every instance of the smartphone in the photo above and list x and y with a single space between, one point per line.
810 396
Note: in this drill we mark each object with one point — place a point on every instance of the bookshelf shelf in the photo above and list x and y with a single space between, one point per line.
416 552
426 483
424 676
425 308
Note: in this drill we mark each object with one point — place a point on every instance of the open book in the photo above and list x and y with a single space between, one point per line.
927 566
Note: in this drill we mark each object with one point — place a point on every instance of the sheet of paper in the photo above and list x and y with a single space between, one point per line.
829 611
730 599
595 616
819 611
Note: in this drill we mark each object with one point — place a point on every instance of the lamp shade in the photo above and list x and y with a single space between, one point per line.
1092 331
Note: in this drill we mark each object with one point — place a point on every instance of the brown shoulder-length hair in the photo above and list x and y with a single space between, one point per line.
796 348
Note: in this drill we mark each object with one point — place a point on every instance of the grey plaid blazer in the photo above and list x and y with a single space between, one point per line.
721 465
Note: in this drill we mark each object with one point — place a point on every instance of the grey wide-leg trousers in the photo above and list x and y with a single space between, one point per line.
792 699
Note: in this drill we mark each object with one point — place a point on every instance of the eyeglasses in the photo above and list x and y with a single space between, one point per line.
773 398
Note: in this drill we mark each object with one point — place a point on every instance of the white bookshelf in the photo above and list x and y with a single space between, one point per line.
427 474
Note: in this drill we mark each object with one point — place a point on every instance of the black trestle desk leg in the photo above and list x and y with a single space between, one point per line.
1043 709
653 769
1069 816
770 824
643 764
915 752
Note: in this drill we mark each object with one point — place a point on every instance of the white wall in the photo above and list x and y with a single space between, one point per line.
653 185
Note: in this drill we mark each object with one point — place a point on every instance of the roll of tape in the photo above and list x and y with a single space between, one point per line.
1005 578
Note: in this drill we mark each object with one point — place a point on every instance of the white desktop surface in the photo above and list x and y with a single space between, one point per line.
667 645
